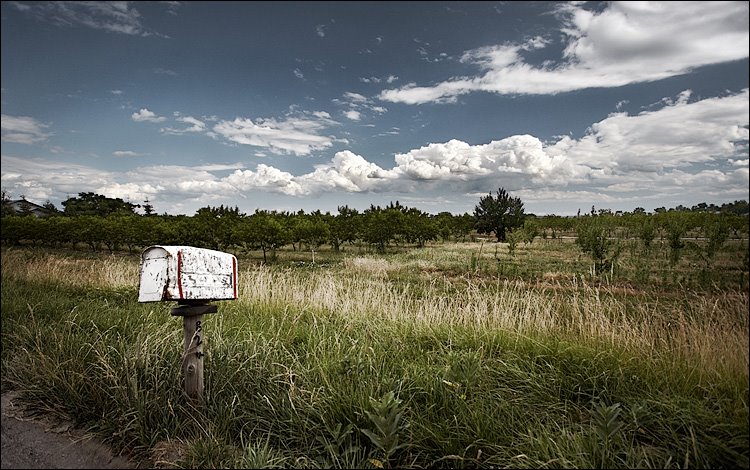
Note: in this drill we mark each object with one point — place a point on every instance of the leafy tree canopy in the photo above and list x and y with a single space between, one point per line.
97 205
498 214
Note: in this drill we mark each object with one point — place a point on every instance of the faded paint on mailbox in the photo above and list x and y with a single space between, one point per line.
187 273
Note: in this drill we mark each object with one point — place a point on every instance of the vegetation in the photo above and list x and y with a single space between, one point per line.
96 204
393 338
499 214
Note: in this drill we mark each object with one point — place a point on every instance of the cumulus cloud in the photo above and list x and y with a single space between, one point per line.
144 115
115 17
347 172
650 156
298 134
353 115
266 177
675 136
627 42
457 160
22 130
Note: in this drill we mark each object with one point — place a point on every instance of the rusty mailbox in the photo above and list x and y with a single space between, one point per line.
187 273
193 277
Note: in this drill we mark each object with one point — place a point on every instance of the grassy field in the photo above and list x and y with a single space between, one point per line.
453 355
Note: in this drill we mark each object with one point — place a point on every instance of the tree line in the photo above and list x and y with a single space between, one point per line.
111 223
222 227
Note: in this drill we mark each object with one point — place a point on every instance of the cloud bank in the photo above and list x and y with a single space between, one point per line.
626 43
656 153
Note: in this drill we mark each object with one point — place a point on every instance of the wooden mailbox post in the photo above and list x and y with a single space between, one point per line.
193 277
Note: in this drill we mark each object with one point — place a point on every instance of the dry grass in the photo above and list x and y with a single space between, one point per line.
709 330
103 271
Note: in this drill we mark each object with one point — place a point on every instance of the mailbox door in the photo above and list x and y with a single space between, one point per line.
154 276
207 274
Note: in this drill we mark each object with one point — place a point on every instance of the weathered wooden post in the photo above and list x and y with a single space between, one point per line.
193 277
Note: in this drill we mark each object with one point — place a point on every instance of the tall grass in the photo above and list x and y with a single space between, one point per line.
391 362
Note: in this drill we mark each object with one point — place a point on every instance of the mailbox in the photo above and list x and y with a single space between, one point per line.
186 273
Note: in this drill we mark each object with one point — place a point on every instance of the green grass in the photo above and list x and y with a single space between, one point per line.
409 361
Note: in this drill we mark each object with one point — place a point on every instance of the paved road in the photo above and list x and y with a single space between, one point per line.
44 443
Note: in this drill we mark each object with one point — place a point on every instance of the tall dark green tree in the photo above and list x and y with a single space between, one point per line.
498 214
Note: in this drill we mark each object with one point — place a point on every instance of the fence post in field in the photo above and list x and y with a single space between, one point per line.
193 277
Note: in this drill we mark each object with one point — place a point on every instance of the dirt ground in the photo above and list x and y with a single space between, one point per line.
43 442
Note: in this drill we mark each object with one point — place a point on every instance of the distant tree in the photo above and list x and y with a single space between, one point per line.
380 226
50 207
148 208
593 238
498 214
215 225
444 223
260 230
7 206
345 227
514 236
715 230
646 230
98 205
419 227
463 225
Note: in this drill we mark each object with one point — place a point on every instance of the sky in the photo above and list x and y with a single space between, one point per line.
316 105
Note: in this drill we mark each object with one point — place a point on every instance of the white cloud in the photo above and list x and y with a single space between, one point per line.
678 135
321 114
221 166
172 6
125 153
41 179
266 177
354 97
320 30
115 17
116 92
521 155
346 172
358 104
297 135
374 79
627 42
624 159
22 130
196 126
144 115
299 74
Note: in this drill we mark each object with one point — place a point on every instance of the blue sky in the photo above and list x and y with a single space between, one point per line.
314 105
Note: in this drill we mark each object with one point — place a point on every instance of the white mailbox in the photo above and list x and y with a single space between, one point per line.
187 273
